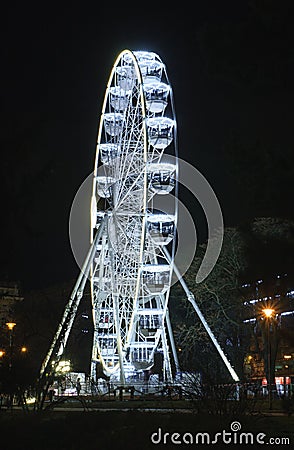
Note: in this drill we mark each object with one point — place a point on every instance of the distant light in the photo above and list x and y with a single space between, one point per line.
23 349
287 356
2 353
63 366
10 325
254 301
287 313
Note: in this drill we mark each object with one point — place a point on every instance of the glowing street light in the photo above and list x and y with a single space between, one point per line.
269 314
10 326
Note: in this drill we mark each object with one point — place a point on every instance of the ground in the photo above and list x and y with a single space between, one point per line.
130 429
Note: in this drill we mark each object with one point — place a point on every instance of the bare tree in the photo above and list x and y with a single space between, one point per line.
219 298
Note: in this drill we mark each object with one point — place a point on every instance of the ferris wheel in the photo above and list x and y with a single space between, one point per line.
130 275
133 235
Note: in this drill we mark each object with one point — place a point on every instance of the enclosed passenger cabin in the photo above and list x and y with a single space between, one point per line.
108 152
105 318
104 186
156 95
162 177
119 98
141 356
156 278
107 344
143 57
161 228
151 68
150 322
113 123
125 77
160 131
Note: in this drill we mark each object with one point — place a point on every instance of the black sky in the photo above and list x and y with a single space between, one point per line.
231 68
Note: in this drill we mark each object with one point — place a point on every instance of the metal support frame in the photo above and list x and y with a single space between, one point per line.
191 299
63 331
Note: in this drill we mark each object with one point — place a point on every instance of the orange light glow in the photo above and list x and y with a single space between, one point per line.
268 312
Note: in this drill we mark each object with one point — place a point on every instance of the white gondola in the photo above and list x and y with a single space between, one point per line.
161 177
119 98
125 76
105 319
156 278
113 123
161 228
107 343
150 321
160 131
143 57
104 186
141 356
151 69
108 152
156 95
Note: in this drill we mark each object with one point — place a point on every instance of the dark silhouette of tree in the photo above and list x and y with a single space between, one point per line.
246 257
219 299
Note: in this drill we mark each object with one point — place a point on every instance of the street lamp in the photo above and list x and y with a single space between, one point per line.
10 326
268 314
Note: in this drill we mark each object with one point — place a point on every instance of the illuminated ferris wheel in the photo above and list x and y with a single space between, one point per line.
130 274
133 231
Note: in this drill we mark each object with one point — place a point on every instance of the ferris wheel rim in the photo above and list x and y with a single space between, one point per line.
144 207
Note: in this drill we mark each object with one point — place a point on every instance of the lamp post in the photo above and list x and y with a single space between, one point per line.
268 314
10 326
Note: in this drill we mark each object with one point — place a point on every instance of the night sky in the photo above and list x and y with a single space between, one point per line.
231 66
